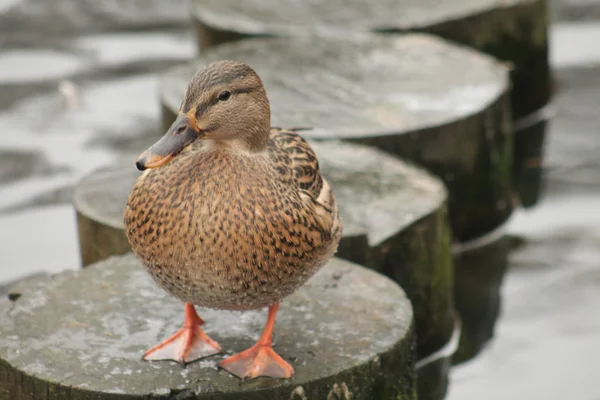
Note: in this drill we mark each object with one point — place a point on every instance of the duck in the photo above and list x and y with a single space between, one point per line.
229 213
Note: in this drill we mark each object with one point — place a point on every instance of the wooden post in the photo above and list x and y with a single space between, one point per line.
80 335
516 32
415 96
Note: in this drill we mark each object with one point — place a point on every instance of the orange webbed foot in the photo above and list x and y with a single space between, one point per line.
186 345
259 360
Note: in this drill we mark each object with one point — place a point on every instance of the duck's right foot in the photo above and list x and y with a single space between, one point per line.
187 344
260 359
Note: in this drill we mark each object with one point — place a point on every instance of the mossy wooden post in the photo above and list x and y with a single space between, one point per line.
416 96
348 332
395 222
480 270
515 31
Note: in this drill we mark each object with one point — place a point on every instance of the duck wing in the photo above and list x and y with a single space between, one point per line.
293 155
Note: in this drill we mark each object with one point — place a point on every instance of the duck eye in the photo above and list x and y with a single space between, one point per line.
224 95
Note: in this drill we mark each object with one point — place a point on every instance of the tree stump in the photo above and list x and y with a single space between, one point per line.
80 335
514 31
479 272
415 96
395 222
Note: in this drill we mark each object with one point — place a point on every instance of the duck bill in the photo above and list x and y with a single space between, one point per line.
180 134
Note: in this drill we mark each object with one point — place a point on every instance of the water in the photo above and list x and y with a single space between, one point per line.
70 104
547 339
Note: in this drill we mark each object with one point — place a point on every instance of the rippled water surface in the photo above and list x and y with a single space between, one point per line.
75 96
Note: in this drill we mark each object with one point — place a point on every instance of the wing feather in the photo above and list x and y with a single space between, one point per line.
293 152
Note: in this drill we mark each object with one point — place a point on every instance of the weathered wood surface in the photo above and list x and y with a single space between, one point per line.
80 335
394 222
415 96
514 30
479 272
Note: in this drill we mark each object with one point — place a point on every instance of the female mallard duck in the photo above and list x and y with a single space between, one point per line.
230 214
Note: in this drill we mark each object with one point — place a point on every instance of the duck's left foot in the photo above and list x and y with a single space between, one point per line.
186 345
258 360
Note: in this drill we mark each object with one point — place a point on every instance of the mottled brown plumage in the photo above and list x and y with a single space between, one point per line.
221 229
237 215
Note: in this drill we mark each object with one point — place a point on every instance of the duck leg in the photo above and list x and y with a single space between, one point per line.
260 359
187 344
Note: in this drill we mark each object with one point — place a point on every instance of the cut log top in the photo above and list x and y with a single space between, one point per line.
378 195
512 30
296 18
80 335
364 86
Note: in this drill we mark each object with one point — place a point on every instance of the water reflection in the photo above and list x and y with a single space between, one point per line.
549 333
528 156
478 276
433 380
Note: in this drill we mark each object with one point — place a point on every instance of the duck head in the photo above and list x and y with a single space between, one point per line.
225 103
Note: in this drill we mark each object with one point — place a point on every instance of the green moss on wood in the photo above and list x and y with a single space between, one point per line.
419 259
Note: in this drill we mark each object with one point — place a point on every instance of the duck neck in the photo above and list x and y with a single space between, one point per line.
251 138
257 141
250 142
257 123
